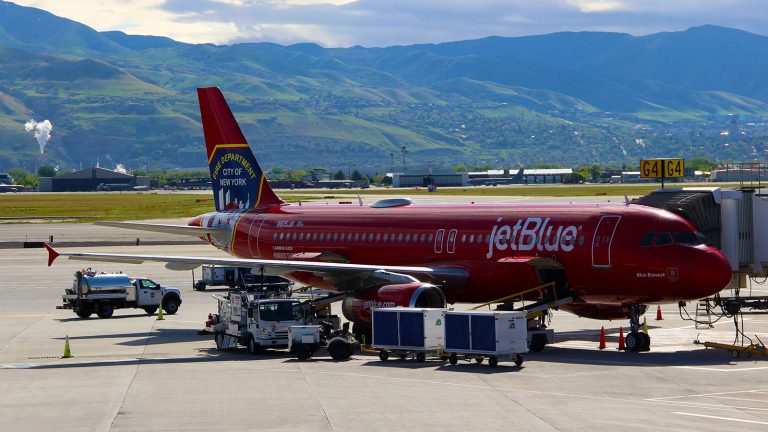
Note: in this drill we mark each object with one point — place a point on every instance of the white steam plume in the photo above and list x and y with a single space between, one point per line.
42 131
121 168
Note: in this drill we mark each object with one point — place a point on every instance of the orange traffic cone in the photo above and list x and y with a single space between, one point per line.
658 313
602 338
621 340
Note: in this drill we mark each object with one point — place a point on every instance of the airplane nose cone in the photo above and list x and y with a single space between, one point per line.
713 273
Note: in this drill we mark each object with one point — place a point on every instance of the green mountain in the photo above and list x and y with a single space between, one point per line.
566 98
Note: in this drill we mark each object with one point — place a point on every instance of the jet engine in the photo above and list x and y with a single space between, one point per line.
357 306
600 311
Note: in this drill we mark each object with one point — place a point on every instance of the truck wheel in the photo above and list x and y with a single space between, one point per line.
150 310
219 338
105 310
253 347
171 306
200 286
340 349
84 313
303 352
383 355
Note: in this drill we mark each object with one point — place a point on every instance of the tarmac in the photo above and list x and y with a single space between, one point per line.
133 372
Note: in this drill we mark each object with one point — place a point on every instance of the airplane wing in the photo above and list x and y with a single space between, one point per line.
170 229
276 267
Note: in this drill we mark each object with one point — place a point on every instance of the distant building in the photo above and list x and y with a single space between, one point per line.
93 179
426 177
6 178
741 173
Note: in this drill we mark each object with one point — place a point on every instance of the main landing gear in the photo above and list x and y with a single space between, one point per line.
637 340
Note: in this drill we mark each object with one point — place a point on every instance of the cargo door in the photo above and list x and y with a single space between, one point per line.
601 242
483 332
412 329
385 331
456 332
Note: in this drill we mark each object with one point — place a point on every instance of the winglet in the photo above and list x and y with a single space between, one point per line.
52 254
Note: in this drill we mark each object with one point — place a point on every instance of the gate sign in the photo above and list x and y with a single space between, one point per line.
662 168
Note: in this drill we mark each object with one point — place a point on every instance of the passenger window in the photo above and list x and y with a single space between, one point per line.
378 236
386 237
301 236
408 237
431 237
472 238
663 239
281 236
335 236
463 238
274 236
314 236
423 237
647 239
322 236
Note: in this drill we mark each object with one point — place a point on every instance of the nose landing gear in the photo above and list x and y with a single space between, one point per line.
637 340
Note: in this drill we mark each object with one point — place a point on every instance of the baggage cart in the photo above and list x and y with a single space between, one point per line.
495 335
406 332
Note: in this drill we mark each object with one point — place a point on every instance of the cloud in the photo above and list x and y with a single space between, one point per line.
396 22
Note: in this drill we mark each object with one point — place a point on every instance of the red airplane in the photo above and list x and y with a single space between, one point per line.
606 261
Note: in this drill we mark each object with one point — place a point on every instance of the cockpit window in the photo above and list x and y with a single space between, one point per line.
663 239
686 238
647 239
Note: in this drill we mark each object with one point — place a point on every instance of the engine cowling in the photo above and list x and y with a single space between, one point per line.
600 311
357 307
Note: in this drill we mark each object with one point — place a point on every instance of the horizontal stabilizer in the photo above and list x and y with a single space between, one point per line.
169 229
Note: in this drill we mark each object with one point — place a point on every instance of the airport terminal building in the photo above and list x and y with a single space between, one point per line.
92 179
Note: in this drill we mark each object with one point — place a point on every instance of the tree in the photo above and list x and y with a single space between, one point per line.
356 176
701 164
46 171
594 171
574 178
18 174
387 180
339 175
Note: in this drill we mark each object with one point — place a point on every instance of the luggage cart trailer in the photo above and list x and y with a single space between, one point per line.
495 335
406 332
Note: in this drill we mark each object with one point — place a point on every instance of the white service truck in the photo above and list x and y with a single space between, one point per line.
246 318
102 293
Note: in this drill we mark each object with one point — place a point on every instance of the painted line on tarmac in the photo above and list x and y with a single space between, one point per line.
741 399
710 369
720 418
711 394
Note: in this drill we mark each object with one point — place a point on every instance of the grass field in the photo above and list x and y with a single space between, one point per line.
107 206
89 207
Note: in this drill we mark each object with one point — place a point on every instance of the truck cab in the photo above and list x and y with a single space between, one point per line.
150 295
269 320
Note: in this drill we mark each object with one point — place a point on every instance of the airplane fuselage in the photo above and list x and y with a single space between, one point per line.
597 247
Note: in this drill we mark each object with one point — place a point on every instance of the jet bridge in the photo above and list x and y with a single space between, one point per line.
734 220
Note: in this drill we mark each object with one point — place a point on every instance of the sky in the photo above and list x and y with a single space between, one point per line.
372 23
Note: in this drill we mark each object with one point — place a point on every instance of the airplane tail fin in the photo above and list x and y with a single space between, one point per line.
237 180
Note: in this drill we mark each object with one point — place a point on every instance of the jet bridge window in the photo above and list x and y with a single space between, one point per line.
647 239
686 238
663 239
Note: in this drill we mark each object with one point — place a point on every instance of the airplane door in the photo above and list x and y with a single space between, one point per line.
451 246
253 235
439 241
601 242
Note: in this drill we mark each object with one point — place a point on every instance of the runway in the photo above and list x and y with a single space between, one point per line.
132 372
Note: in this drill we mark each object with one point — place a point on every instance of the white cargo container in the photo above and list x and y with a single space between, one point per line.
497 335
408 331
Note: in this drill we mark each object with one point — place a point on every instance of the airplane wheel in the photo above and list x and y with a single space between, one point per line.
383 355
453 359
645 342
632 342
